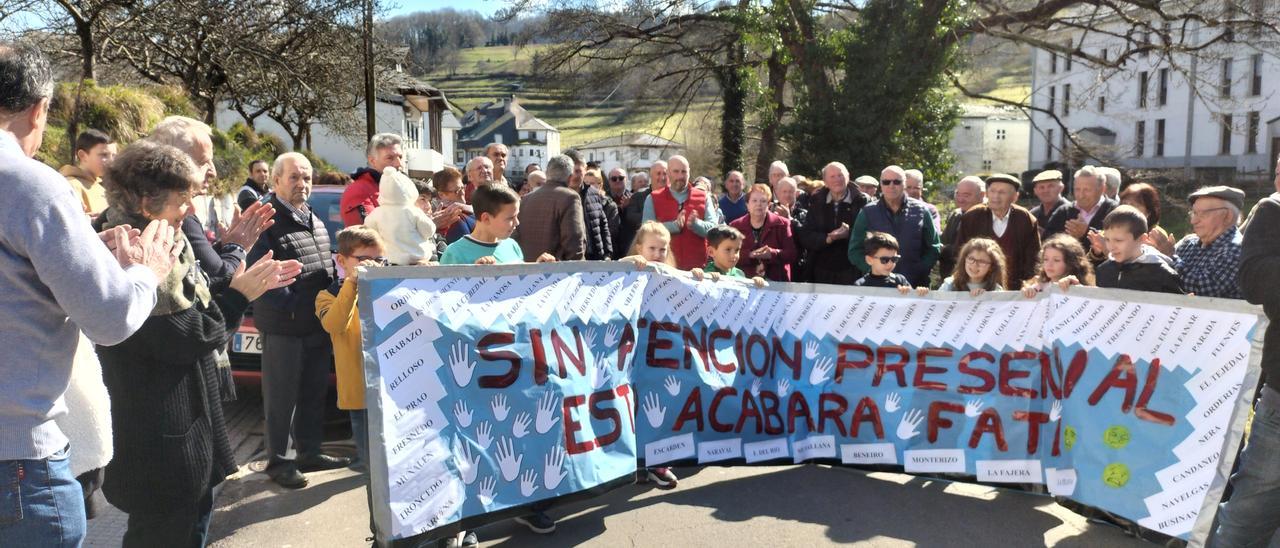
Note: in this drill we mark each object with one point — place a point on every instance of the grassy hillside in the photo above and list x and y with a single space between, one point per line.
484 74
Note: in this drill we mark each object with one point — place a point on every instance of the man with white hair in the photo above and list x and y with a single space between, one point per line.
777 170
361 196
907 220
969 192
220 259
497 153
1209 259
1112 182
296 350
1090 208
686 212
825 233
479 171
533 181
915 189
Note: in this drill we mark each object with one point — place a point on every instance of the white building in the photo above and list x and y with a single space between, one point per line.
528 139
991 139
1209 115
632 152
408 107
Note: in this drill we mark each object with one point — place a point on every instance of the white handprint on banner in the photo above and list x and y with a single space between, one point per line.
547 416
600 373
811 350
821 371
1055 412
755 387
672 385
468 465
483 435
528 483
520 428
462 370
462 413
654 410
612 336
552 473
487 486
508 460
892 402
784 386
909 427
973 408
499 407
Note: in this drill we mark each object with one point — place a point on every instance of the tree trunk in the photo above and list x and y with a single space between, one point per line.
769 130
88 69
733 115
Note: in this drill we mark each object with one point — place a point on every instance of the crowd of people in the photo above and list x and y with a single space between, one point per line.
119 303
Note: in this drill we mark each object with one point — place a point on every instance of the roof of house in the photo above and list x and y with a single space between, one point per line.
632 140
397 85
997 112
504 117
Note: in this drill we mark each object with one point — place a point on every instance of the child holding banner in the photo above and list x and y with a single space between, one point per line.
1063 262
882 255
652 246
1132 265
980 268
724 246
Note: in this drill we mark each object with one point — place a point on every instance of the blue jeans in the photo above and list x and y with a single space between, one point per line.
41 503
360 433
1252 516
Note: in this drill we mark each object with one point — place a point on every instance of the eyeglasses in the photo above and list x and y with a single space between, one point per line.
1204 212
889 259
891 182
975 260
617 178
380 260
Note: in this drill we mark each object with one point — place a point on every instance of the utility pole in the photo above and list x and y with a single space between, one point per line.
369 120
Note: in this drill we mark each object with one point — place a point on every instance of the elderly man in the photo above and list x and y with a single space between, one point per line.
1251 516
915 190
497 154
906 219
685 211
551 219
777 170
599 215
1011 226
1089 209
60 280
618 186
478 171
867 185
255 186
833 210
533 181
733 203
619 192
295 348
220 259
786 193
1111 182
1048 190
361 196
1209 259
969 192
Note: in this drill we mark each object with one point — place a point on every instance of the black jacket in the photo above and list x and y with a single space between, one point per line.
249 193
1149 272
829 263
596 218
170 435
1260 277
220 263
291 310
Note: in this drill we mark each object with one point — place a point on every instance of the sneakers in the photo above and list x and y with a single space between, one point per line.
289 477
662 477
318 462
470 540
538 522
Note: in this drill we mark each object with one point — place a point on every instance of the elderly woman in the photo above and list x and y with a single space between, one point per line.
170 436
768 249
1146 199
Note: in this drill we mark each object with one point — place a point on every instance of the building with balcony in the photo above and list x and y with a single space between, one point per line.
631 151
505 121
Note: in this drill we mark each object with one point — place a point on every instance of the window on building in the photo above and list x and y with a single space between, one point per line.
1001 134
1053 62
1048 145
1164 87
1066 99
1224 140
1102 104
1251 143
1224 87
1140 139
1053 98
1159 138
1146 41
1143 79
1066 58
986 165
1255 78
644 154
617 155
1228 14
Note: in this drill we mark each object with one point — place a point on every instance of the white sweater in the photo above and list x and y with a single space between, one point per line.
87 422
405 229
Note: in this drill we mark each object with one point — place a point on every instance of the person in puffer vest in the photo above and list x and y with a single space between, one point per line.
405 229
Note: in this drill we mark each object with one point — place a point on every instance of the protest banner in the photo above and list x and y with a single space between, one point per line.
490 388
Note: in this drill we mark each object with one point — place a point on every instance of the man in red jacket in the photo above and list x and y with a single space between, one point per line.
682 208
361 196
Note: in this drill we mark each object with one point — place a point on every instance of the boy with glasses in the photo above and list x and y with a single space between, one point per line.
882 255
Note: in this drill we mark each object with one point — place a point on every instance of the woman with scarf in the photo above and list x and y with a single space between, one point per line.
170 437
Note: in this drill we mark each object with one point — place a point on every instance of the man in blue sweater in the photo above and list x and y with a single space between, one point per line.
56 278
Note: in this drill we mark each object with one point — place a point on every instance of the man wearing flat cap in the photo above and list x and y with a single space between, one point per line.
1048 189
1209 259
1006 222
867 185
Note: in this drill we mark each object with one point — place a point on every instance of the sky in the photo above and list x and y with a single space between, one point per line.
485 7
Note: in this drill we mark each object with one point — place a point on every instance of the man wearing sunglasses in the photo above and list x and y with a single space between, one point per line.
618 188
909 222
1006 222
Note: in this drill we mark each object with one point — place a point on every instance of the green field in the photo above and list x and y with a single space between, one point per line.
485 74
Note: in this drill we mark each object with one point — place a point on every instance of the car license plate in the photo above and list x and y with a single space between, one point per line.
247 343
